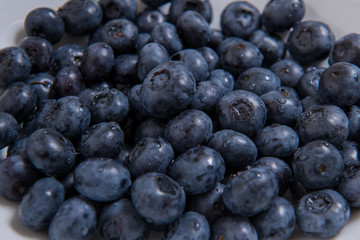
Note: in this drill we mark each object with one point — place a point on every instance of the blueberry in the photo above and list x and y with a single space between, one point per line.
15 65
277 140
282 107
346 49
68 183
208 94
166 34
322 214
157 198
216 37
45 23
151 127
141 40
50 152
353 114
340 84
281 15
104 139
210 56
195 62
17 176
289 72
167 90
189 129
148 19
124 154
318 164
69 81
75 219
270 44
178 7
150 154
19 100
250 191
242 111
40 203
134 101
43 83
18 147
350 152
67 55
324 122
209 204
309 102
223 79
37 119
118 220
258 80
9 129
125 69
309 82
101 179
349 186
233 227
193 29
80 17
237 149
113 9
189 225
310 42
150 56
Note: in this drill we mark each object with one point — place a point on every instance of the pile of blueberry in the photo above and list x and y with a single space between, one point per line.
162 123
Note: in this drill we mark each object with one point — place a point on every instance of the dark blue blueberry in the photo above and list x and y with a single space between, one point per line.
67 55
167 90
120 34
350 152
195 62
189 225
150 56
148 19
216 37
166 34
223 79
349 186
107 105
68 81
101 179
178 7
18 99
290 90
193 29
45 23
209 204
125 69
151 127
282 107
346 49
75 220
322 214
18 147
242 111
80 17
233 227
308 84
135 104
15 65
289 72
104 139
270 45
210 56
309 102
276 222
323 122
97 62
119 220
190 128
155 3
68 116
157 198
50 152
198 170
353 114
310 42
237 55
40 203
43 83
340 84
9 129
258 80
124 154
240 19
277 140
113 9
17 176
142 40
150 154
280 168
237 149
250 191
281 15
40 52
208 94
318 164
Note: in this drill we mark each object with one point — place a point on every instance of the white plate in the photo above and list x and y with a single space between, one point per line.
342 16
